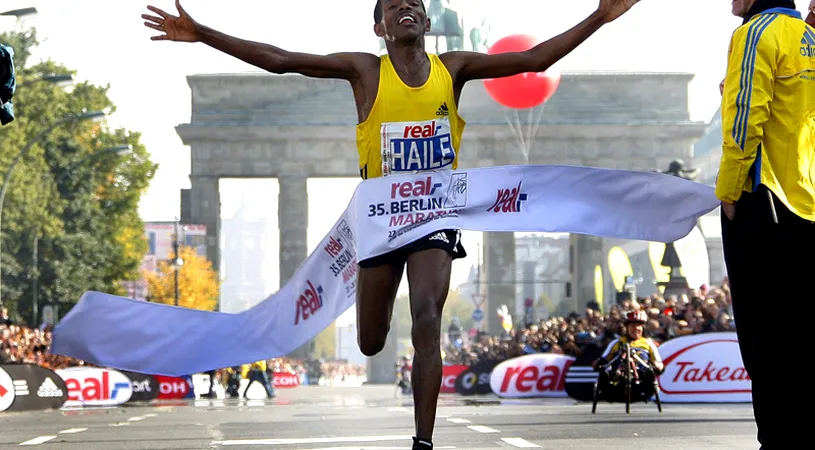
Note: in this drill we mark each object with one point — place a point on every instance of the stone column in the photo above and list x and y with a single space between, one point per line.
205 209
499 265
585 253
292 216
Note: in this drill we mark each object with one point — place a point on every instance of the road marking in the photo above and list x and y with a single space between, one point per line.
520 443
404 410
331 440
38 440
483 429
73 430
150 415
356 447
119 424
136 418
458 421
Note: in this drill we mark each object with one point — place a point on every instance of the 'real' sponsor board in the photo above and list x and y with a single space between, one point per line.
704 368
27 387
448 378
535 375
91 386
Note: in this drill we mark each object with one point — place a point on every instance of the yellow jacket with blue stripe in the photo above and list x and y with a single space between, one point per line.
768 111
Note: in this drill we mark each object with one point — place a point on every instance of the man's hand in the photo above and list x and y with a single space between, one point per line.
612 9
180 29
729 210
721 85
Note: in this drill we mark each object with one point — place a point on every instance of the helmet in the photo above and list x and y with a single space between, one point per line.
635 317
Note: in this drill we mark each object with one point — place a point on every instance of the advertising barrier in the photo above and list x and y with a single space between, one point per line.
91 386
581 376
34 388
285 380
174 388
145 387
535 375
704 368
7 393
476 379
448 378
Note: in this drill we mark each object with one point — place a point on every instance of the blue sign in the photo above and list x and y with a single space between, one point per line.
478 315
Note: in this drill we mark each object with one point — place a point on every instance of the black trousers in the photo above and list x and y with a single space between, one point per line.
771 268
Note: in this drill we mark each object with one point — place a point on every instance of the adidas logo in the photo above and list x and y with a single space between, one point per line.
443 111
440 236
49 389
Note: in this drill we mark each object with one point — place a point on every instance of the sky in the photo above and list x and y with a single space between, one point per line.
106 42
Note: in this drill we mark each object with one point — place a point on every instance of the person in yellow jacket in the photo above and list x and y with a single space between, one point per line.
257 372
766 184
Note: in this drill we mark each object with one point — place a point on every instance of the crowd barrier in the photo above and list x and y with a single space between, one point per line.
700 368
25 387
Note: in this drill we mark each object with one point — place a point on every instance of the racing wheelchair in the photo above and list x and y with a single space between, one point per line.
621 381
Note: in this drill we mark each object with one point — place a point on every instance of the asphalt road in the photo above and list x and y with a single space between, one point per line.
371 417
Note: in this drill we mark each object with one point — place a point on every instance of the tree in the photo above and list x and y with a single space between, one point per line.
70 217
198 283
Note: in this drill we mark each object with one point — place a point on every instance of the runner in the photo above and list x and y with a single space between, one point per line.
405 100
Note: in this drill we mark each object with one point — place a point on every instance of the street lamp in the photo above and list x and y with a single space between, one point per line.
59 80
20 13
177 260
92 115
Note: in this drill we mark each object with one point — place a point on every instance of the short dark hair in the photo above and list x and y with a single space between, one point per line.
379 13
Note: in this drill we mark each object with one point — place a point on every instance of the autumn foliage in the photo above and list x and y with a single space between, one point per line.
198 282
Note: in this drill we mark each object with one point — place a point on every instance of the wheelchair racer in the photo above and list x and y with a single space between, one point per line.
643 350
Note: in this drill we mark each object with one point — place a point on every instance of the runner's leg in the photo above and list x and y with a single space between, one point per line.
429 278
376 292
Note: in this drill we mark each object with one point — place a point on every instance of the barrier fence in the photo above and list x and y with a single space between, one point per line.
699 368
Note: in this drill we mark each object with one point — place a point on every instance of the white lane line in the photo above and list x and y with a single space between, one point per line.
399 409
136 418
119 424
149 415
38 440
520 443
331 440
458 421
73 430
356 447
483 429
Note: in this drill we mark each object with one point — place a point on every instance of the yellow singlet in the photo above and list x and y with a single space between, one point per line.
410 129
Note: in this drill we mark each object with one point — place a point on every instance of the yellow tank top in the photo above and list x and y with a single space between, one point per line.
410 129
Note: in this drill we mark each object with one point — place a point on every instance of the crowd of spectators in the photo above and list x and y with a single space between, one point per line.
703 310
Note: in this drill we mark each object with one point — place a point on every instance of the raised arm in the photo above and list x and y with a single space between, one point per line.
183 28
468 66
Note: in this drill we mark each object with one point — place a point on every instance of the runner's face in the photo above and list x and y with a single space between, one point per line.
403 20
740 7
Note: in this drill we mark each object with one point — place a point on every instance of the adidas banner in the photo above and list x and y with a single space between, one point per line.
384 214
32 388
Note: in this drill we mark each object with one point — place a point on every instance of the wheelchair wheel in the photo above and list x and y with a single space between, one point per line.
596 396
656 397
628 371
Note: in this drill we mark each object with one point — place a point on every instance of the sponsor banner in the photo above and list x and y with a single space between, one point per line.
6 390
704 368
174 388
145 387
476 379
35 388
448 378
385 213
581 376
285 380
535 375
91 386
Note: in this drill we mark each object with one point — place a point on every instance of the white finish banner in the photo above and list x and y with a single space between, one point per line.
384 214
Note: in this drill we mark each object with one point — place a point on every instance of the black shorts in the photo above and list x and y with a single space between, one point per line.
448 240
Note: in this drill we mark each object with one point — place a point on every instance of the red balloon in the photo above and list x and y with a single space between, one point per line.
524 90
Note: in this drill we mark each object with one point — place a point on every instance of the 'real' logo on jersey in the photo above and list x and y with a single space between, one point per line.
417 146
808 44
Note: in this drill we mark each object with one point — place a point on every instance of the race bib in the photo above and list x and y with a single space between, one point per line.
409 147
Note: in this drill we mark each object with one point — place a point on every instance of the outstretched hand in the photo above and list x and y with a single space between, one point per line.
612 9
181 28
